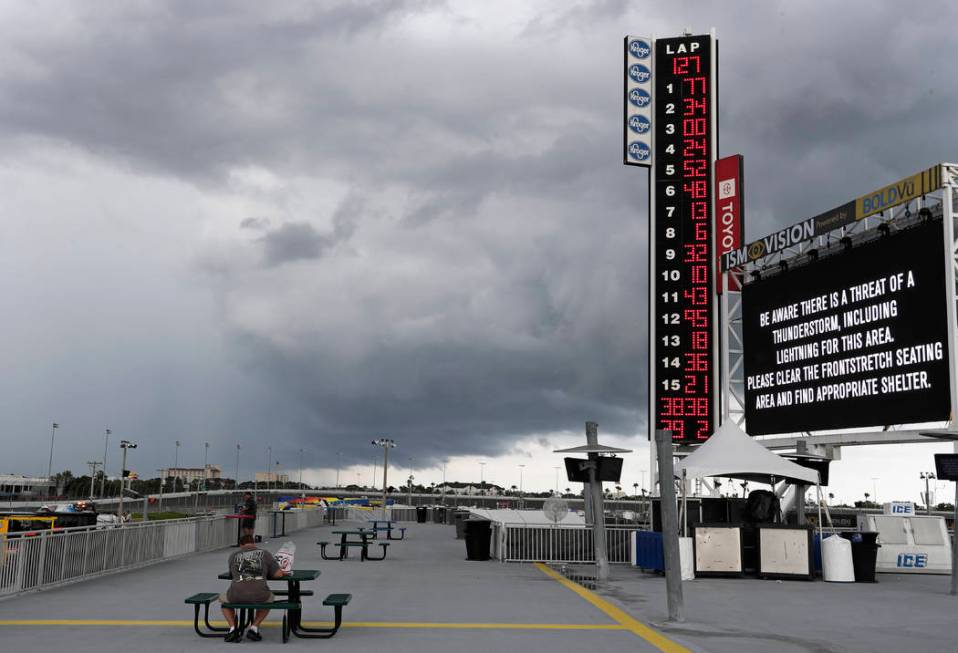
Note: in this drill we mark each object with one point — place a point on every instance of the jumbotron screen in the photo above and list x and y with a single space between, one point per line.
856 339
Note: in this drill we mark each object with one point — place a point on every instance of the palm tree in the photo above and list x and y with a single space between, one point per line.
866 500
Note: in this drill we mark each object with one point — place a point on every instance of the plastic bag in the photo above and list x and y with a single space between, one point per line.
284 557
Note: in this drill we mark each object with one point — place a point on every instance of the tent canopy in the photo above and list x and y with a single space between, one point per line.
731 452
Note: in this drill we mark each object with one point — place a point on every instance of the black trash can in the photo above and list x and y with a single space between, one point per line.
438 515
864 554
459 519
422 513
478 532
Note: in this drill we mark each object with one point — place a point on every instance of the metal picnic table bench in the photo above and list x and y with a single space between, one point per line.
346 542
292 607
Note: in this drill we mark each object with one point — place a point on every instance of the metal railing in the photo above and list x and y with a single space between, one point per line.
525 543
42 559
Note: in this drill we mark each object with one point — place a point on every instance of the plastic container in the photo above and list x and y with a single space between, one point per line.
478 536
687 558
422 513
837 561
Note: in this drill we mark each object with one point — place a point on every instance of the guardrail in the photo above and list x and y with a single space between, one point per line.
525 543
42 559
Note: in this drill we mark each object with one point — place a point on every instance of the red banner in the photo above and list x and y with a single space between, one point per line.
729 215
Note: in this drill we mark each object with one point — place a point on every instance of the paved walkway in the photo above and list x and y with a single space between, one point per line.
424 597
427 598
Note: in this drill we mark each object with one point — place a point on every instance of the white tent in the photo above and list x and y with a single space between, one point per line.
731 452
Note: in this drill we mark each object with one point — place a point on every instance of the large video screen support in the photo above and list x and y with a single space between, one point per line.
856 339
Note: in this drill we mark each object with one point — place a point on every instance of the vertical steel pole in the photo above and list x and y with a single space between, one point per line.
598 510
949 238
670 524
122 481
53 435
106 446
385 471
954 548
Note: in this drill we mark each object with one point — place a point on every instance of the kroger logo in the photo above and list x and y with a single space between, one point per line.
640 124
639 73
639 49
639 151
640 98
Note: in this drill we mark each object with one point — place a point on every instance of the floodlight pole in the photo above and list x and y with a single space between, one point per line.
670 527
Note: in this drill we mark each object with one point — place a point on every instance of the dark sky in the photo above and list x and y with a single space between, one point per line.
311 224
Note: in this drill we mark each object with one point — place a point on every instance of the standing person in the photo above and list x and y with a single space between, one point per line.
249 514
249 569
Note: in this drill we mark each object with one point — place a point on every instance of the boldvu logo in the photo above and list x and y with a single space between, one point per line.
640 124
639 49
640 98
639 73
639 151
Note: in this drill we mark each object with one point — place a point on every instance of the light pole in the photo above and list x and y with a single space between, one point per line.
106 445
93 465
302 492
927 476
162 483
176 464
236 473
557 480
411 477
206 475
124 444
339 463
482 476
875 489
521 469
386 444
53 435
269 466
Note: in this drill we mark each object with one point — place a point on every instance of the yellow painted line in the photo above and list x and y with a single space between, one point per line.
627 621
347 624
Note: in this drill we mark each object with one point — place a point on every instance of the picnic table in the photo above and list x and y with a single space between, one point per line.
295 593
386 525
348 538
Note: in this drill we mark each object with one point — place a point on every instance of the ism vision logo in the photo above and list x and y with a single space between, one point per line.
639 98
640 124
639 151
639 49
639 73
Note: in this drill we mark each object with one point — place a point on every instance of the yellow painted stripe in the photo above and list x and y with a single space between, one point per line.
314 624
623 618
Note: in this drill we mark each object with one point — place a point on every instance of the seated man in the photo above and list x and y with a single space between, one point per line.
249 568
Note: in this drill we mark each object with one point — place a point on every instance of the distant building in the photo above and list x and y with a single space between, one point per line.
484 489
189 474
17 485
272 477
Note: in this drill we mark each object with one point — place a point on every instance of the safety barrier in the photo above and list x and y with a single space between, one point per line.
525 543
41 559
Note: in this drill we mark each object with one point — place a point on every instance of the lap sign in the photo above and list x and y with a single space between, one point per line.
912 560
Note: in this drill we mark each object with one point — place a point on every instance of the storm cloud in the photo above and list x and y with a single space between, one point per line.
313 224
